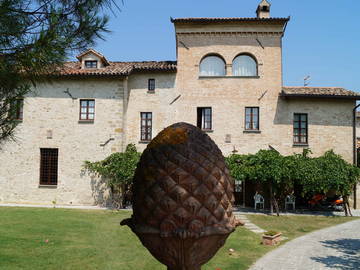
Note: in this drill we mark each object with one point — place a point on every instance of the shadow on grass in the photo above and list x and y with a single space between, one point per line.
348 254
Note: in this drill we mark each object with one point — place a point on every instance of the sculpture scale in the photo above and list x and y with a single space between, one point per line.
182 198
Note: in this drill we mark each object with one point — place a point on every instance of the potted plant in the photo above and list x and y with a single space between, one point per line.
271 238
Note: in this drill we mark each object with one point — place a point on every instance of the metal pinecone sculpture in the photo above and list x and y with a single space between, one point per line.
182 198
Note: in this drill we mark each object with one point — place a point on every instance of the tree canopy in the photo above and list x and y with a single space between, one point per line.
267 167
36 36
329 172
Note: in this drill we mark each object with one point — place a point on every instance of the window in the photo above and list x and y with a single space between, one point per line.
146 126
17 109
244 65
48 166
252 118
204 118
212 66
91 63
300 128
151 85
87 109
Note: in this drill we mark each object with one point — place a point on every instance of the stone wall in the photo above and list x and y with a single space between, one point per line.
49 109
158 102
229 95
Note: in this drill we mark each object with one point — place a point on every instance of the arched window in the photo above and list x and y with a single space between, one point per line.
212 66
244 65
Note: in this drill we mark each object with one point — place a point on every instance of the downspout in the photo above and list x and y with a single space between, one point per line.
355 148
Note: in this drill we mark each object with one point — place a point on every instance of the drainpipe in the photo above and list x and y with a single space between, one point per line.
354 148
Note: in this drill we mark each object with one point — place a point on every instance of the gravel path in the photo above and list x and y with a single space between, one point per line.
337 247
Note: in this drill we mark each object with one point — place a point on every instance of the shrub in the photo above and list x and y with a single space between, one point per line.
118 171
271 233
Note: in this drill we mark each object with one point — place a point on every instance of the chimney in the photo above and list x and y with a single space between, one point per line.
263 10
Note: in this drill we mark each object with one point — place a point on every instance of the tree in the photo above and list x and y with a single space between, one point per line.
319 175
239 166
36 36
118 171
267 167
329 172
274 171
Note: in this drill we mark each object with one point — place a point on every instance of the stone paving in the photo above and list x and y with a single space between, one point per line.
337 247
248 224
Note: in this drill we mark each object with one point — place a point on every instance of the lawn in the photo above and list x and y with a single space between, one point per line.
295 226
37 238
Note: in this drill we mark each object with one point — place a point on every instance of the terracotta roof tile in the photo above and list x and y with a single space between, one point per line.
324 92
116 68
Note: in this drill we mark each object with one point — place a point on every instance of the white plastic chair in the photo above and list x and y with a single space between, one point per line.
258 199
290 200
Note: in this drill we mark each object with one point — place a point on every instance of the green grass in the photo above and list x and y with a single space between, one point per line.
37 238
295 226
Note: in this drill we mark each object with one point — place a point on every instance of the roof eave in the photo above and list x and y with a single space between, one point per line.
284 95
116 75
220 20
70 76
170 70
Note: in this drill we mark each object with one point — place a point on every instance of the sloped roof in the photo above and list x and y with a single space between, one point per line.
102 57
320 92
115 68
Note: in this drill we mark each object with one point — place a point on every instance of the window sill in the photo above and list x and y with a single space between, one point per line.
208 130
151 91
86 121
300 145
244 77
144 142
230 77
48 186
252 131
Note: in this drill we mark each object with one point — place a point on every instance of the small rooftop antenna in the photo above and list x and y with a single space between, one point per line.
306 80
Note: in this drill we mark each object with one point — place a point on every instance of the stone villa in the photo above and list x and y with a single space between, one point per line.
227 80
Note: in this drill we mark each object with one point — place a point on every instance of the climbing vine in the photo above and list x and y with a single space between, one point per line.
118 171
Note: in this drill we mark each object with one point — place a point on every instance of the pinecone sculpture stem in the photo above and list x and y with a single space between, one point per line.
182 198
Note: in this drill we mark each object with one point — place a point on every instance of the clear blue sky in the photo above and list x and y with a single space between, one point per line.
322 38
